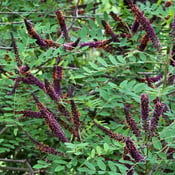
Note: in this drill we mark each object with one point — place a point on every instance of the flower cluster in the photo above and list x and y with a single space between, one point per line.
62 24
128 158
43 147
109 31
51 121
131 122
29 113
155 118
133 150
67 46
149 126
72 121
145 23
135 26
111 134
51 91
57 77
96 44
120 23
75 115
34 34
144 105
149 80
143 43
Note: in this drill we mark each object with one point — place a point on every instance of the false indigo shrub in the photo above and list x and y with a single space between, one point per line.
112 76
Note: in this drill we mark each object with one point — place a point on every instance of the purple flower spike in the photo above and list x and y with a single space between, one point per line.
135 26
31 31
57 77
51 121
144 105
75 119
29 113
155 119
120 22
63 110
50 91
75 114
96 44
143 43
39 105
111 134
43 147
54 126
133 150
109 31
173 28
31 79
49 150
28 79
62 24
156 78
24 69
145 23
131 122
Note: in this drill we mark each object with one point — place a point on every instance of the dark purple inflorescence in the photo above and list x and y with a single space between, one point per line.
132 150
158 109
51 91
110 133
144 105
51 121
131 122
29 113
145 23
57 77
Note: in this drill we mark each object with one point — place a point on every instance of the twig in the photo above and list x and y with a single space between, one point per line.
80 17
30 168
85 5
18 13
3 130
10 23
6 48
18 169
76 15
14 168
15 49
11 160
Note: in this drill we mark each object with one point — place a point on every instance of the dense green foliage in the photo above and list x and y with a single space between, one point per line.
104 80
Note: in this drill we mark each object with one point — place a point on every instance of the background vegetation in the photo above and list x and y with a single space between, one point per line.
104 126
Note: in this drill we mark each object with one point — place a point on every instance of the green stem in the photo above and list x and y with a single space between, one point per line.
166 71
147 151
147 161
167 63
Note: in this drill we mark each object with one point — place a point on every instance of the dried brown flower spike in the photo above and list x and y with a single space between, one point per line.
145 23
109 31
31 31
62 24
